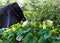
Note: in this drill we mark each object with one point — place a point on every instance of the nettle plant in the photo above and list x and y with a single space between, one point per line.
34 32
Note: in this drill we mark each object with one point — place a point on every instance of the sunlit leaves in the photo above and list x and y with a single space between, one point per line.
27 1
1 41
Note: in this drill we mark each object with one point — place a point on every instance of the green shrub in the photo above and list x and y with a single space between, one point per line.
42 10
32 33
37 31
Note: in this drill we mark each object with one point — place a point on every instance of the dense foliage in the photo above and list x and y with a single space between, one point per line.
40 11
39 29
34 32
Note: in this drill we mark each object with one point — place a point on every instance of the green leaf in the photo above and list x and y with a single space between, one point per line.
25 31
55 42
27 1
54 30
41 41
20 32
58 38
46 36
1 31
34 40
41 32
27 38
55 38
9 36
5 41
1 41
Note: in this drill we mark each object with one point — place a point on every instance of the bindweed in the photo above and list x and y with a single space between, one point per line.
48 21
25 23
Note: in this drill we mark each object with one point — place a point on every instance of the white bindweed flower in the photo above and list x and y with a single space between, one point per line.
51 22
25 23
18 38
